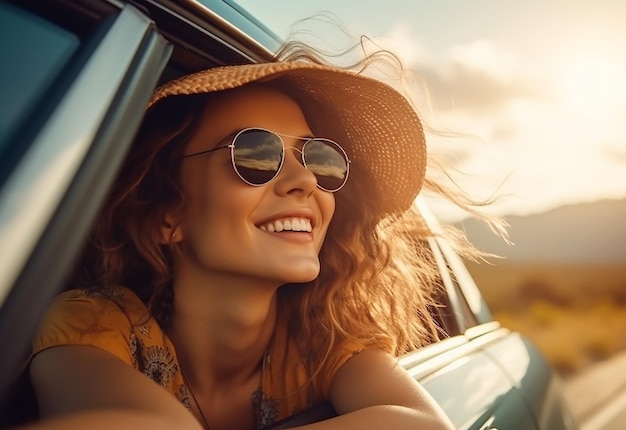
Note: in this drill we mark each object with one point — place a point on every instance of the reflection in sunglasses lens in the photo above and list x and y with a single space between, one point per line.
258 156
327 162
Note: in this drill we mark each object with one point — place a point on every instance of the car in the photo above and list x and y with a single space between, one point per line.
76 77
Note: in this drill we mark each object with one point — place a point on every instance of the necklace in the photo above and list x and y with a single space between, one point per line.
193 396
265 359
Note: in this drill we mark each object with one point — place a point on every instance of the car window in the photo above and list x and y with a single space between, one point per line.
463 311
465 284
450 313
33 52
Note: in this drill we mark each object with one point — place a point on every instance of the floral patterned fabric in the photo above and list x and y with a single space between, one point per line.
117 321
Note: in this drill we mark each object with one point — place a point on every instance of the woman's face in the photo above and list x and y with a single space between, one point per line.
227 229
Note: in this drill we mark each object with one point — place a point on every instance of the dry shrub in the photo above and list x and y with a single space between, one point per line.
575 315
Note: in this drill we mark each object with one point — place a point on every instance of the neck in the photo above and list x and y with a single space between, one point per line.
222 330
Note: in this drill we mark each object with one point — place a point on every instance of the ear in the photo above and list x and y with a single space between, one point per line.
170 231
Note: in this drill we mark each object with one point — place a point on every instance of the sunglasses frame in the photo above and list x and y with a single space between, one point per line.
282 158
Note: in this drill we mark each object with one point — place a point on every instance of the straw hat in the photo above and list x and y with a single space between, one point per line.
376 125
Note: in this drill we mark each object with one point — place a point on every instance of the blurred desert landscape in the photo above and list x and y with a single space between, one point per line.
576 314
563 281
563 285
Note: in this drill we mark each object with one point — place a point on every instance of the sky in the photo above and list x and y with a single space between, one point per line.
533 91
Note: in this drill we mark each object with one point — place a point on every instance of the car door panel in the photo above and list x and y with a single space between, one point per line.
529 372
53 194
469 385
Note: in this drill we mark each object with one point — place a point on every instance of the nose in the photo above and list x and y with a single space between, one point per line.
293 176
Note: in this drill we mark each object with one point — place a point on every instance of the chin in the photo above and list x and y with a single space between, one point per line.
300 275
300 279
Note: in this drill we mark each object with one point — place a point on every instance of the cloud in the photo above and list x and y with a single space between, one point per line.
477 77
406 45
460 88
513 132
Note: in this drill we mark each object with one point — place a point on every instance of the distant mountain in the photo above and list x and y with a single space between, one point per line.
582 233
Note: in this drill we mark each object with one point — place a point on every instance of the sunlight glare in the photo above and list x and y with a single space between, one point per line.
594 85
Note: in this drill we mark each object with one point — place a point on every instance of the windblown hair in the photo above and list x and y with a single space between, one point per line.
126 245
378 278
378 282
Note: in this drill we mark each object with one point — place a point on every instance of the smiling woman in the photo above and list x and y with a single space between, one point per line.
205 292
247 259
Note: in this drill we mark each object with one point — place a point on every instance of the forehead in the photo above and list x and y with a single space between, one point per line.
255 105
229 111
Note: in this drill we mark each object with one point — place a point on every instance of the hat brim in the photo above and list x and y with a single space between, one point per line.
376 125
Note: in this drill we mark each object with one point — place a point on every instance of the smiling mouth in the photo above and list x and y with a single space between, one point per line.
288 224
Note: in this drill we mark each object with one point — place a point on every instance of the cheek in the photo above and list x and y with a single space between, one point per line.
330 205
208 183
200 197
326 202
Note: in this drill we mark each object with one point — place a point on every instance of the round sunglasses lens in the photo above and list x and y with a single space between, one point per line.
328 162
257 156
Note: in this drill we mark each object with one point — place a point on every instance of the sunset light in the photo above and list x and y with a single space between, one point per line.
538 88
595 85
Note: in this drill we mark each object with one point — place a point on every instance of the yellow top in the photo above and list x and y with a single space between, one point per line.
116 320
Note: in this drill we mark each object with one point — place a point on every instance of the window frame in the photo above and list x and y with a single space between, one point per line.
56 188
466 304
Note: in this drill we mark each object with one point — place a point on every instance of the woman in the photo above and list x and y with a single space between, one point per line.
258 255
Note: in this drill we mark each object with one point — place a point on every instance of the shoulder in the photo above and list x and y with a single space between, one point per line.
104 318
115 320
310 381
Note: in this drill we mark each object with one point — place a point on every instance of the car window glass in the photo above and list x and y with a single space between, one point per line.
33 52
443 310
464 281
455 313
465 313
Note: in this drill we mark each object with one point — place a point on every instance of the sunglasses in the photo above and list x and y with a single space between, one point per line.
258 155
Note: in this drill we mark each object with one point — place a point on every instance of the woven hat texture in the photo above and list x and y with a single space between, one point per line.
376 125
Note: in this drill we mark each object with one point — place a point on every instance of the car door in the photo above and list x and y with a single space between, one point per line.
72 95
459 372
527 369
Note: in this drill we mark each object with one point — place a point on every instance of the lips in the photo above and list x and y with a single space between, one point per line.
296 224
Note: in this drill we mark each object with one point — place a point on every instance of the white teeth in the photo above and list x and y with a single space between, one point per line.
288 224
295 225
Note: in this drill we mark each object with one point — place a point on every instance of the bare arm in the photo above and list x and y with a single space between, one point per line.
81 387
372 391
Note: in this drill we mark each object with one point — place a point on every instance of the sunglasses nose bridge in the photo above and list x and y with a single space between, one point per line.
301 158
300 170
